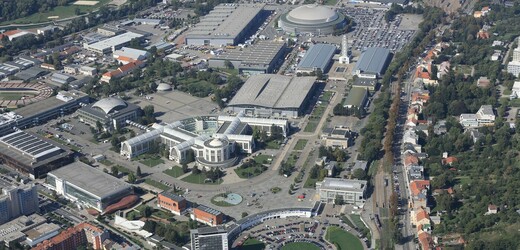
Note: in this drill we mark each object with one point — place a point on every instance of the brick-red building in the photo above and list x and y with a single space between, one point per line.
171 202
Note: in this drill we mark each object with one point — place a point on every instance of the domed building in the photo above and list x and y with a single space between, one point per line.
164 87
111 112
313 19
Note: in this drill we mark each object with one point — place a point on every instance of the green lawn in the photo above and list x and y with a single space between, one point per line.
343 239
251 171
175 171
10 96
311 126
199 179
356 219
310 182
507 92
273 145
515 102
156 184
61 11
106 162
122 169
263 159
300 246
163 214
152 161
330 2
293 158
300 144
326 94
252 244
346 220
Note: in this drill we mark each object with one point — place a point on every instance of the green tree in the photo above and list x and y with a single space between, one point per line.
338 200
114 170
131 177
228 64
359 174
244 214
77 11
138 172
147 212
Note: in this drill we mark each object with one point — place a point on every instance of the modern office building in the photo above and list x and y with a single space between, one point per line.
312 19
485 116
88 186
337 137
269 95
226 24
41 111
372 63
348 191
318 57
31 154
112 44
209 238
111 112
174 203
262 57
207 215
17 201
208 140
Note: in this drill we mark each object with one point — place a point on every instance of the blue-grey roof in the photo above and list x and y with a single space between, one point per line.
374 61
318 56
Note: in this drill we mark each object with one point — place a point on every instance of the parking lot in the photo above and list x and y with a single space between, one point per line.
372 30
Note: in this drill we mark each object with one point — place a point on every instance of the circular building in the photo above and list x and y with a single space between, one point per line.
110 104
217 153
313 19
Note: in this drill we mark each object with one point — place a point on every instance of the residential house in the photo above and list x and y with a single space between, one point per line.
443 69
421 217
419 189
416 172
449 160
410 136
492 209
483 82
410 159
440 127
425 240
122 71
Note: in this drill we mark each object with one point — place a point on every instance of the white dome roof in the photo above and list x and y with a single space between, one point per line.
312 14
164 87
216 143
108 104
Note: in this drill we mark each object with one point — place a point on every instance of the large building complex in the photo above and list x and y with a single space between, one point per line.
226 24
485 116
348 191
262 57
209 238
111 112
16 201
88 186
373 62
112 44
15 230
74 237
39 112
313 19
273 95
318 57
208 140
31 154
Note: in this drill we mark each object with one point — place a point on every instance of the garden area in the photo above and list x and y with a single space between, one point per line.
343 239
252 244
300 144
150 160
211 177
156 184
250 169
174 172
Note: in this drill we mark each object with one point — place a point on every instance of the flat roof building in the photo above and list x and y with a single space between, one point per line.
337 137
40 233
226 24
13 231
127 55
88 186
319 56
207 215
174 203
348 191
262 57
356 98
109 45
273 95
32 154
209 238
373 62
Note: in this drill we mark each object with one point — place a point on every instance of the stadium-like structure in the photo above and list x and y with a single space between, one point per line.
313 19
211 141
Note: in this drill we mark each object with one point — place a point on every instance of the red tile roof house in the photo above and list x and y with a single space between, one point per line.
449 160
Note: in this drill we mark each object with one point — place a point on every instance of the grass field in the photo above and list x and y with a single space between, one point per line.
263 159
249 172
175 171
300 246
293 158
356 219
199 179
273 145
300 144
106 162
10 96
252 244
156 184
343 239
152 161
61 11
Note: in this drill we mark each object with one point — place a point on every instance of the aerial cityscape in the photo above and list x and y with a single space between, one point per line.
259 124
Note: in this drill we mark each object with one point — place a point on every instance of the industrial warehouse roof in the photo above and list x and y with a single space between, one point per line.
29 144
343 184
374 61
273 91
262 52
317 57
114 41
225 20
90 179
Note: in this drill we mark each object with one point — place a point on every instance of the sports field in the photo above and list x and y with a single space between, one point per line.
343 239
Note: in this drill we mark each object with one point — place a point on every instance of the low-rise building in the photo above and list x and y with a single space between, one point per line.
207 215
127 55
369 83
13 231
174 203
338 137
112 112
40 233
88 71
122 71
348 191
356 98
